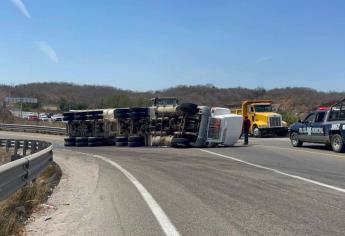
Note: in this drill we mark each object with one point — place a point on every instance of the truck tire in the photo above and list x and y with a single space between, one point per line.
295 142
94 113
69 142
121 113
135 139
121 139
337 143
68 118
180 143
121 144
138 112
257 132
81 141
189 108
110 141
96 141
80 117
95 117
68 114
135 144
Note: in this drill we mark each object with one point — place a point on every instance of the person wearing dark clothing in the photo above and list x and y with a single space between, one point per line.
246 127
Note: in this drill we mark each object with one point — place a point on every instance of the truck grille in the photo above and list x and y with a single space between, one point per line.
214 128
275 121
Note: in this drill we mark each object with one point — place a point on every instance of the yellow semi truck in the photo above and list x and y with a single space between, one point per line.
263 119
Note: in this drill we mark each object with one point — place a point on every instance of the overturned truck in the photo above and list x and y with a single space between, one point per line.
165 123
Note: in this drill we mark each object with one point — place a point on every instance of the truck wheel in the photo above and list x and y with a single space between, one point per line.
96 141
337 143
135 144
111 141
121 139
189 108
69 142
138 112
121 113
135 139
121 144
295 142
81 141
256 132
180 143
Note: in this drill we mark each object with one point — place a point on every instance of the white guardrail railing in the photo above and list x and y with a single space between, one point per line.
32 128
29 159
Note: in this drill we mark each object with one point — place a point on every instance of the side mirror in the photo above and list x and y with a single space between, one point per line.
299 121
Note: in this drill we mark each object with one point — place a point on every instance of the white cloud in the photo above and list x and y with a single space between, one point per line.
263 59
21 7
48 51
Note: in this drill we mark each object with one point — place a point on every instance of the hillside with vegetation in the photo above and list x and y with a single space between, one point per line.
66 96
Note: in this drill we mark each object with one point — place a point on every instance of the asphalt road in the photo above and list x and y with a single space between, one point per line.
266 188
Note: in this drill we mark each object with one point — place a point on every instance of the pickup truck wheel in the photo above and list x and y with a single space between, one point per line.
256 132
180 143
295 142
337 143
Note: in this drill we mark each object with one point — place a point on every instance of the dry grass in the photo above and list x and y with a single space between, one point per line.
17 209
4 156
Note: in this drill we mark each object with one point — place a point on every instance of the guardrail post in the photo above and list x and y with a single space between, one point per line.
16 147
33 147
25 147
8 145
15 155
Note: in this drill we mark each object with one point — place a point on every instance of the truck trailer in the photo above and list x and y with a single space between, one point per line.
165 123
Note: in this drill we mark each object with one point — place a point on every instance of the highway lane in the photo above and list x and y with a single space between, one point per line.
201 193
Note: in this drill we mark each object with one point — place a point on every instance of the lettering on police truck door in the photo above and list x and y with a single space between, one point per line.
317 127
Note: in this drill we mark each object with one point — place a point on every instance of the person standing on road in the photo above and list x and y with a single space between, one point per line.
246 127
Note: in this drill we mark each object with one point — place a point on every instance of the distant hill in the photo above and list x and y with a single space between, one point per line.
67 95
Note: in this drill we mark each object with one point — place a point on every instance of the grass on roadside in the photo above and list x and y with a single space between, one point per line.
19 206
4 156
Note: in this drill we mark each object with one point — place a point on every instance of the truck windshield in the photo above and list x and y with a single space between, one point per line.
263 108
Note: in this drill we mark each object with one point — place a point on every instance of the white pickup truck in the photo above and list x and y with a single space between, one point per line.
165 123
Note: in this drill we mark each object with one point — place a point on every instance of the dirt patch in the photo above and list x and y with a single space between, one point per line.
15 211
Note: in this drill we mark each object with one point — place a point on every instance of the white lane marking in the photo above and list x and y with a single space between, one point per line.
163 220
277 171
301 150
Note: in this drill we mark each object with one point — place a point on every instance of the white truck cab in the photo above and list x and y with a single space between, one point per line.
224 127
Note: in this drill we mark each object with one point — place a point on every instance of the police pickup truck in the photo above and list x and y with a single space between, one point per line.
325 125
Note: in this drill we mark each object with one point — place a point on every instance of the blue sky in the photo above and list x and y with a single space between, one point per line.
151 44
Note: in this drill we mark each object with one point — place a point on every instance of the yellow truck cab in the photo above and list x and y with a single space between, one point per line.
263 119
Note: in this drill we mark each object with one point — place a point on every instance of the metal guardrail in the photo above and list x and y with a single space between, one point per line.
32 128
25 168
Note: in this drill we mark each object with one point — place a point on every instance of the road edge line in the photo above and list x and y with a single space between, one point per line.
277 171
167 226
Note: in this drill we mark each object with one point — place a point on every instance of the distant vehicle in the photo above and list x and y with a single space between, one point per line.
57 117
43 117
32 117
325 125
263 119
